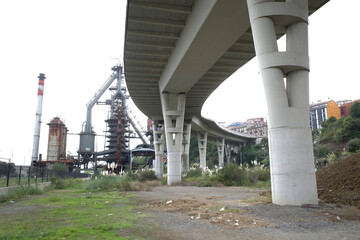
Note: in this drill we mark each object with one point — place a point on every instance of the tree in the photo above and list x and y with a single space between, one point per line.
4 167
355 110
351 128
353 145
253 152
212 157
194 151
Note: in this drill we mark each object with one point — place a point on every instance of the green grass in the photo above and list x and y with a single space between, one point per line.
74 214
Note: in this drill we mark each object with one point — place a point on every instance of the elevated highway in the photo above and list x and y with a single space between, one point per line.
177 52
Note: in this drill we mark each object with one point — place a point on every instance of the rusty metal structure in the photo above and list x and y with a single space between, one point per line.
57 140
118 133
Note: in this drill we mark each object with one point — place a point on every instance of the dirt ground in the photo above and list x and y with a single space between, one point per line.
186 212
340 183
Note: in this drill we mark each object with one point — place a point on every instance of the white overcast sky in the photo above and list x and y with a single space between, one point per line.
75 43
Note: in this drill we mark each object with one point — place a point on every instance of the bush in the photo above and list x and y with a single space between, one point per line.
59 170
233 175
208 181
194 172
59 183
264 174
147 175
266 162
323 151
353 145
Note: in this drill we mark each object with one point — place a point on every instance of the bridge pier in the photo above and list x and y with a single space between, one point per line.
159 144
228 153
220 148
292 167
186 147
173 109
202 143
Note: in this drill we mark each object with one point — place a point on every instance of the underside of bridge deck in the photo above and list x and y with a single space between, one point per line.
177 52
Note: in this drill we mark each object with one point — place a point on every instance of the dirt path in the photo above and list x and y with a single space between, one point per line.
184 212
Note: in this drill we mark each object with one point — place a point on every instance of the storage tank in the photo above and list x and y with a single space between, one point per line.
57 140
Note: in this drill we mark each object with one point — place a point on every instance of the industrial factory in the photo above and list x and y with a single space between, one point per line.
122 125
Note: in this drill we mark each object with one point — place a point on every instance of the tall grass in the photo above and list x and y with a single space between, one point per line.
109 183
19 192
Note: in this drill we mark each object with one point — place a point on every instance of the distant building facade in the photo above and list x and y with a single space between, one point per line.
253 126
321 111
345 107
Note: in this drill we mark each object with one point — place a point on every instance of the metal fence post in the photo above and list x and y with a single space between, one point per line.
29 175
36 174
8 176
20 175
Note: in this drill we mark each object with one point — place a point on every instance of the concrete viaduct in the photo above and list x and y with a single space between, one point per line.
177 52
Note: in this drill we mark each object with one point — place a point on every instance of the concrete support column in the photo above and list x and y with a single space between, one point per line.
159 144
173 108
292 167
228 153
202 142
186 147
220 148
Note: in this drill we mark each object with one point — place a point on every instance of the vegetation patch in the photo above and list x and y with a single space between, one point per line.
20 192
74 214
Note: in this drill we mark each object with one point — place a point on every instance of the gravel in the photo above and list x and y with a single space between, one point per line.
284 222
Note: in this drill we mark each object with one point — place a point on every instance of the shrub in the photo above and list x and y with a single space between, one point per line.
194 172
208 181
233 175
266 162
59 170
353 145
59 183
147 175
331 158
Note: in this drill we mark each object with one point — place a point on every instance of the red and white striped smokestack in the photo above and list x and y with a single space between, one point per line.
35 150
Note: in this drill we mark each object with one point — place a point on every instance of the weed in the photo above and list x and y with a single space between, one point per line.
147 175
209 181
107 183
19 192
194 172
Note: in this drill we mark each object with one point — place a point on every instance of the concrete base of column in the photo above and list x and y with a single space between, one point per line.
159 166
185 162
174 168
292 166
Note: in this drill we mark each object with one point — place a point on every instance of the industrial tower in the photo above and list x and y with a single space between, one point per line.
116 153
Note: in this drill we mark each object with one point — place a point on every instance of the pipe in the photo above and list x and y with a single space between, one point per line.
100 92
